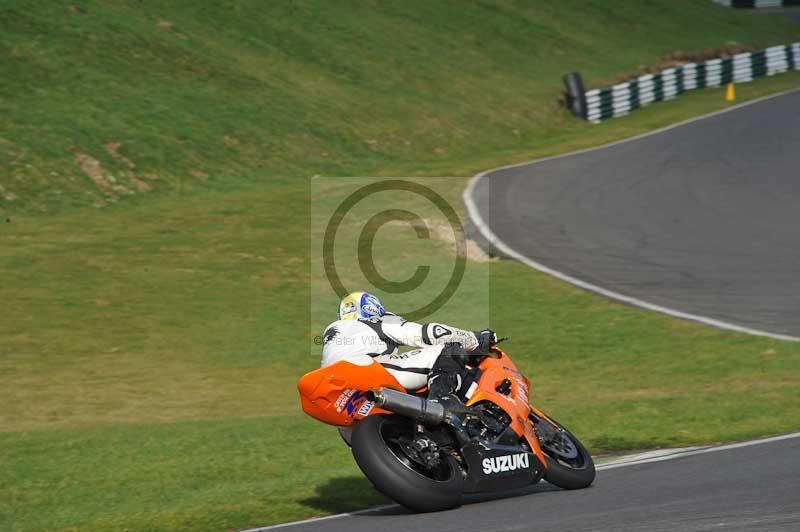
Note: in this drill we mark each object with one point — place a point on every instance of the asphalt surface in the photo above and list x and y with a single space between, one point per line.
703 218
754 488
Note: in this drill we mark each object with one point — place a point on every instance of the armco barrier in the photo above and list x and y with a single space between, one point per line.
620 99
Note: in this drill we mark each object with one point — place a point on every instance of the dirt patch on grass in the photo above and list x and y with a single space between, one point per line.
444 232
676 59
113 149
166 25
7 194
94 170
111 186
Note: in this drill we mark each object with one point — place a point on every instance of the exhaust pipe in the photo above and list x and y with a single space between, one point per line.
427 412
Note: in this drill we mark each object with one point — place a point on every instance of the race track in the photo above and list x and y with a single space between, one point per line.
701 220
741 489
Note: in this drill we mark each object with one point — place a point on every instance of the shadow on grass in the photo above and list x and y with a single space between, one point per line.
347 494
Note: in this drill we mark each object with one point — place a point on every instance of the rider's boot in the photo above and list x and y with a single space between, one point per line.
445 377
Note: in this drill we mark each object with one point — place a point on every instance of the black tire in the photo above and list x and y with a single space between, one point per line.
569 474
396 479
576 94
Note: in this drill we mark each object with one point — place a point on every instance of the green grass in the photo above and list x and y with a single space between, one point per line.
150 347
219 95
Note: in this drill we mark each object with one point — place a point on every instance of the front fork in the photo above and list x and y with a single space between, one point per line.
532 438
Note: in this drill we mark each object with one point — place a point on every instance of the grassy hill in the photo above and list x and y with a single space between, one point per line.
102 100
156 264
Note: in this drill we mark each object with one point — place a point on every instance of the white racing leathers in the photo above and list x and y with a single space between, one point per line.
379 338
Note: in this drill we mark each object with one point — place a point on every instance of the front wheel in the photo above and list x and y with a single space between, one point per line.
382 449
569 464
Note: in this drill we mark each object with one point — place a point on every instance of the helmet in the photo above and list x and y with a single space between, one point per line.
357 305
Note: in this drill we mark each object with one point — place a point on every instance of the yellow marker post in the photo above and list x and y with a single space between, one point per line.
730 93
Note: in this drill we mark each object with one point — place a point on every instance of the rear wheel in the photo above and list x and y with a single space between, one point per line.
383 449
569 464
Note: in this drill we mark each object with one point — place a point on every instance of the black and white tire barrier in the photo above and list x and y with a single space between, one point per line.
621 99
758 3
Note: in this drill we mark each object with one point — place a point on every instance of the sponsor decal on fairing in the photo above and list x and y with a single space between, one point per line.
366 408
341 402
509 462
353 403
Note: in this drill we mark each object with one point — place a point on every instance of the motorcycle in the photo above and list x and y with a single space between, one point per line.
424 454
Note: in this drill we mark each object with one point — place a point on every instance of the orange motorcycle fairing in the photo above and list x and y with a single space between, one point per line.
494 370
337 394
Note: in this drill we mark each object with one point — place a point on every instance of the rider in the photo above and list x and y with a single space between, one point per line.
365 331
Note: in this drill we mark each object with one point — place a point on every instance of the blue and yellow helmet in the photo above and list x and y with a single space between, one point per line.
358 305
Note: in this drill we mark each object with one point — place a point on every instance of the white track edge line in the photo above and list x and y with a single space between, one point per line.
677 454
323 518
704 450
487 233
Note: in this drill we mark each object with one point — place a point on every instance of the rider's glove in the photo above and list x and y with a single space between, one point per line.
487 338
